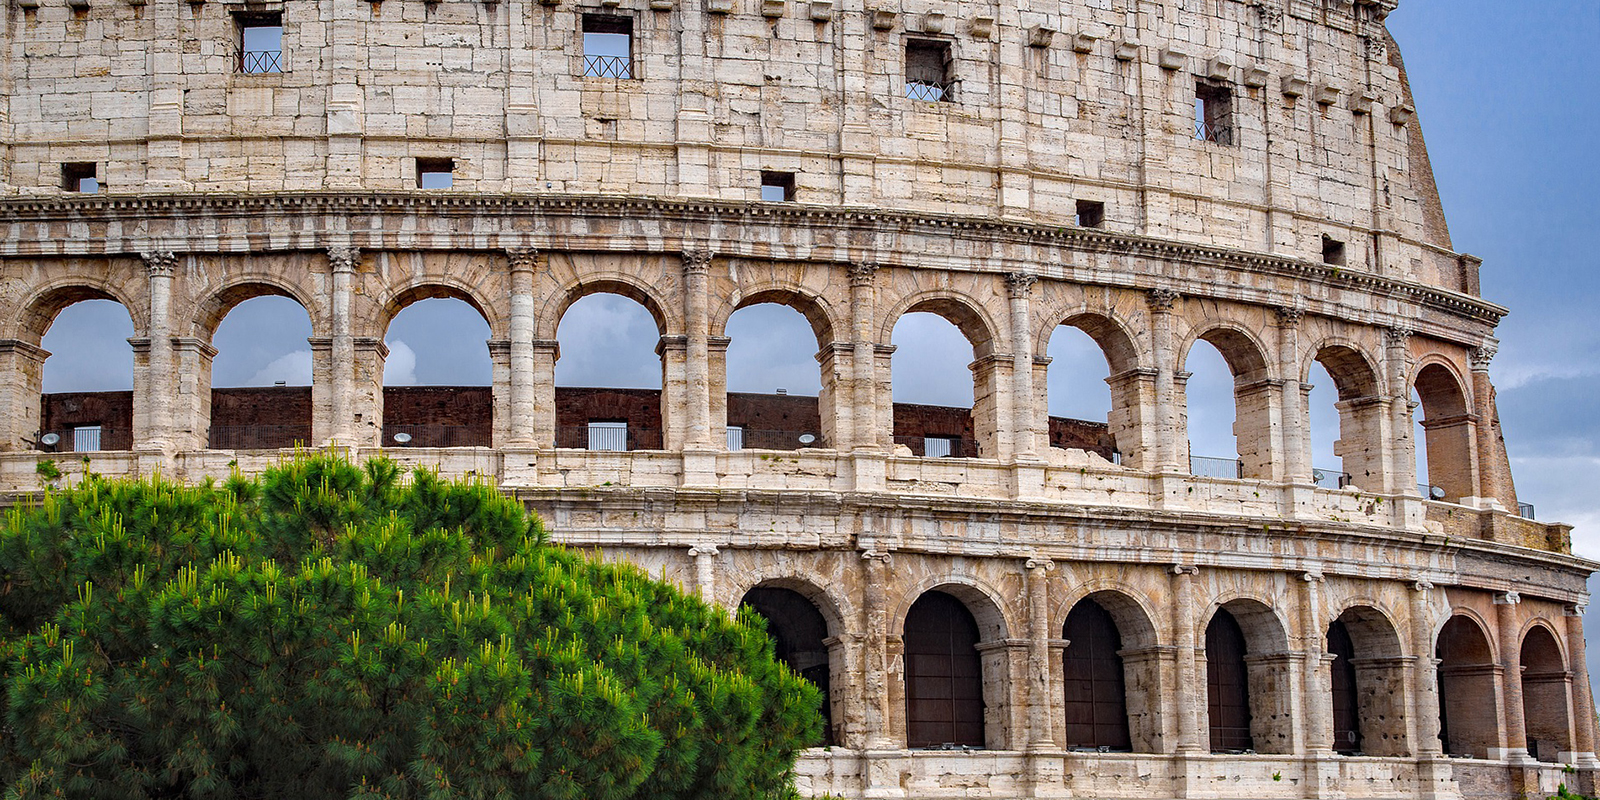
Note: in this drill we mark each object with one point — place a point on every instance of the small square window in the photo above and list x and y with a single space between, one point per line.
735 437
928 71
1091 214
607 46
941 446
1213 113
436 173
80 176
777 187
260 43
1332 251
608 436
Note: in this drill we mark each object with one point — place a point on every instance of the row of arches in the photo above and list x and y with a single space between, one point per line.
1345 428
1111 683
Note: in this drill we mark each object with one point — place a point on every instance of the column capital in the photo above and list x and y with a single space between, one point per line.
704 550
1422 585
1397 336
878 555
1020 284
343 259
696 261
522 259
1575 609
1481 355
1313 577
1161 300
1039 563
1185 569
1289 316
1507 599
160 263
861 274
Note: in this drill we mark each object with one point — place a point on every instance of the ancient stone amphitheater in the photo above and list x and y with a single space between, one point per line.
1014 619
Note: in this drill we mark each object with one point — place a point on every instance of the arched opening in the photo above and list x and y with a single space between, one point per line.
799 634
1209 414
937 380
1247 671
1469 696
943 674
85 388
1367 677
1093 405
609 375
1219 411
1546 696
1448 431
438 373
775 393
1094 682
1347 417
260 375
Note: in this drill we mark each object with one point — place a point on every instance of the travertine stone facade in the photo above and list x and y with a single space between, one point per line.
1298 225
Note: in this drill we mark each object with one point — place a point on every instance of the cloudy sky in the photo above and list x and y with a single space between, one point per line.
1511 111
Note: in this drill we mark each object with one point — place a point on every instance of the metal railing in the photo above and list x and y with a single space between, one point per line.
1208 132
259 437
1227 468
1525 510
86 439
1329 478
256 62
436 436
929 91
748 438
607 67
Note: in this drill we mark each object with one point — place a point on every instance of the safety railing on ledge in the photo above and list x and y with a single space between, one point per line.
84 439
1525 510
1329 478
436 436
1226 468
259 437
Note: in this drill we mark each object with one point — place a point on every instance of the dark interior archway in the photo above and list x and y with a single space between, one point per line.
1096 699
944 675
799 633
1227 685
1346 712
1469 722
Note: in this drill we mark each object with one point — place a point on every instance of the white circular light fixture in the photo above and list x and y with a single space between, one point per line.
402 437
806 438
50 439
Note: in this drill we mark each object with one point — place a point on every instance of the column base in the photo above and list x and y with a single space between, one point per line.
1322 775
881 775
1027 479
699 469
869 471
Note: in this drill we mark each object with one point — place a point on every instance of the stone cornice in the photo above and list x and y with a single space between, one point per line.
126 212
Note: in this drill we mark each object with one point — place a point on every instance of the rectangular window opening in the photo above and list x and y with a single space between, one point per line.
1332 251
436 173
80 176
86 439
941 446
260 42
735 437
608 436
1091 214
928 71
607 46
1213 113
777 187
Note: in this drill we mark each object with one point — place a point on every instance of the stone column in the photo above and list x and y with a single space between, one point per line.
1494 479
522 263
1295 444
1402 445
366 397
864 410
673 351
1024 416
342 263
696 266
160 389
1425 708
21 376
544 353
191 398
1169 434
837 361
875 666
1189 702
1318 679
1509 627
705 571
1039 674
1582 695
500 391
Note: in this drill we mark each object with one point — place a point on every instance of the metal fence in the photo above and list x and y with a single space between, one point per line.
436 436
259 437
257 62
607 67
1228 468
1525 510
1330 478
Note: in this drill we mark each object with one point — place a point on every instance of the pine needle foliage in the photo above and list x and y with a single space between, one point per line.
332 631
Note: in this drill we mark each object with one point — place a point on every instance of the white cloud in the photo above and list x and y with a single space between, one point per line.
400 369
293 369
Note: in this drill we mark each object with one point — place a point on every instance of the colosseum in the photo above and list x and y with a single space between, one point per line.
998 603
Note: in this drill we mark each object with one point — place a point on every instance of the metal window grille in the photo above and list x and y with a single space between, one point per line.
1213 114
257 62
608 436
735 437
86 439
928 72
938 446
607 67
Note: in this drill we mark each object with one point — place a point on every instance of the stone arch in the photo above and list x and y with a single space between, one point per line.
1248 674
228 418
1361 443
1126 376
474 415
1450 429
834 607
805 638
981 599
1469 687
112 416
429 288
763 434
1368 682
1131 672
40 308
988 391
1253 394
560 301
1547 707
209 310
